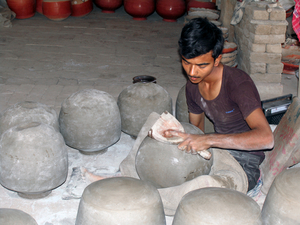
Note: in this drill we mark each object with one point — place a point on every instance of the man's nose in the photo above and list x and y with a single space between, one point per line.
193 70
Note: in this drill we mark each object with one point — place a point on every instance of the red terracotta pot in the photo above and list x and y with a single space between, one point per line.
23 8
170 10
139 9
200 4
81 8
56 10
108 6
39 8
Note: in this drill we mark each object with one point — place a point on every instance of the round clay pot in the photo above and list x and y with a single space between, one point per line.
144 79
28 111
39 7
108 6
120 200
23 8
90 120
33 159
139 9
170 10
81 7
15 217
215 206
164 165
181 108
200 4
138 101
57 10
282 202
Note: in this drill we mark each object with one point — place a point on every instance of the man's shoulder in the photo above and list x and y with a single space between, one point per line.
235 75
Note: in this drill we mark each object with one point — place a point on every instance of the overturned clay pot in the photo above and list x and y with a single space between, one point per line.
215 206
120 200
90 120
33 159
138 101
15 217
282 203
28 111
164 165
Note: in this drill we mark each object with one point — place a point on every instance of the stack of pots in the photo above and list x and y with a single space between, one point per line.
229 54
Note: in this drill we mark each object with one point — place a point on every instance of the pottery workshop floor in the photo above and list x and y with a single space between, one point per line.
46 61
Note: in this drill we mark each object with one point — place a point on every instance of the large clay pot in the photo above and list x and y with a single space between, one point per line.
28 111
282 203
138 101
181 108
170 10
23 8
120 200
81 7
15 217
139 9
200 4
90 120
164 165
215 206
33 159
108 6
57 10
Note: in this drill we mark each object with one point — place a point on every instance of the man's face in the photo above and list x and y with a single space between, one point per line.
200 67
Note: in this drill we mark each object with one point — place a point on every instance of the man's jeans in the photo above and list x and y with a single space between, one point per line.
250 163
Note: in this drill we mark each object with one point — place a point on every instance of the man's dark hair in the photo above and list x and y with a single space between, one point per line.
198 37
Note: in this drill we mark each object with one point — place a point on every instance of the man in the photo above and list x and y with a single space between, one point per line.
226 95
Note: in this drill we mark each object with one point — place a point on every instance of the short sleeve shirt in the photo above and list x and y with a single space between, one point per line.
237 99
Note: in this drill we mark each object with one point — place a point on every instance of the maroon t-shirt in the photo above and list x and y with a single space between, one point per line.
237 99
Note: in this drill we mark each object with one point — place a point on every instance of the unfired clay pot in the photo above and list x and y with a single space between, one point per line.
28 111
90 120
181 108
282 204
33 159
137 101
164 165
120 200
215 206
15 217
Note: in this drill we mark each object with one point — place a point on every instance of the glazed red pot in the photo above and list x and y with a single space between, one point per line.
108 6
200 4
23 8
81 8
170 10
139 9
56 10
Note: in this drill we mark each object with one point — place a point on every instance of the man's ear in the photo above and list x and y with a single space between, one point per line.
218 60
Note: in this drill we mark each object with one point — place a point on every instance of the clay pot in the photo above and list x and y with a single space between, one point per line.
39 7
57 10
200 4
120 200
215 206
170 10
282 202
90 120
23 8
28 111
229 47
138 101
15 216
181 108
108 6
139 9
81 7
33 159
164 165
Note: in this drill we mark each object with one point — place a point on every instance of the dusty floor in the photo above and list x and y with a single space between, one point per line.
46 61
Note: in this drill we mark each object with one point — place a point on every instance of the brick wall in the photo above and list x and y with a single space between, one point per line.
259 36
